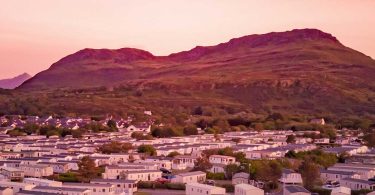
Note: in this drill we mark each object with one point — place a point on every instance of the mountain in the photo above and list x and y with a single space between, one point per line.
14 82
303 71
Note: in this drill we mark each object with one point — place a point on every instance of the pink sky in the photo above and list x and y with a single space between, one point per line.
36 33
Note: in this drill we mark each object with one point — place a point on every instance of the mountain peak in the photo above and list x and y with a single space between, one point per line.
118 55
23 75
14 82
256 41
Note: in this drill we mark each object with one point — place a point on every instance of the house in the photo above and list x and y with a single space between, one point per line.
58 167
36 170
113 159
202 189
30 192
349 149
332 175
147 112
141 128
13 174
217 168
121 186
295 190
357 184
322 141
182 162
341 191
318 121
246 189
342 141
241 177
162 162
145 175
16 186
221 159
66 190
6 191
117 171
270 153
290 177
42 182
190 177
364 171
95 188
72 164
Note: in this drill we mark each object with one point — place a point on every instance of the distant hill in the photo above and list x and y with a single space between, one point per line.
303 71
14 82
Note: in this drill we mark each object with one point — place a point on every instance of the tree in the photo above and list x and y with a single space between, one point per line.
258 126
173 154
165 132
190 130
343 156
221 124
240 157
141 136
87 169
266 170
112 124
310 174
317 156
276 116
230 170
147 149
291 154
370 139
198 111
227 151
115 147
291 139
236 140
202 164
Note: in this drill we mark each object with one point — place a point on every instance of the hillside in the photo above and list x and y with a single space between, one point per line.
302 71
14 82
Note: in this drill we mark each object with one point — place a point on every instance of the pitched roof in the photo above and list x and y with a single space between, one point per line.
295 188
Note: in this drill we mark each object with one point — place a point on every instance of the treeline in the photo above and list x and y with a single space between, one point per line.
227 123
49 130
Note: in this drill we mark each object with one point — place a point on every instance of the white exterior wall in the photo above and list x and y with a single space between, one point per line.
146 176
218 159
189 179
16 186
246 189
355 185
32 171
42 182
95 190
194 189
7 191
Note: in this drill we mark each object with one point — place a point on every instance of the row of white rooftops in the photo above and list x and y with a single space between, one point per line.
249 141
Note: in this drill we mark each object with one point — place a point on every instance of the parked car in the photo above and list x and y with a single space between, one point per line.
165 171
210 182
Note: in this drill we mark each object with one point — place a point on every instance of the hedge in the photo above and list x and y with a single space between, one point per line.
157 185
215 176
